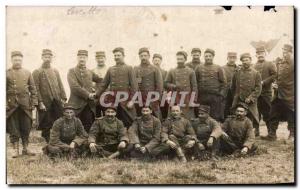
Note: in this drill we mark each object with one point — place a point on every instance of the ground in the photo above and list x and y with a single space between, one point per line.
273 164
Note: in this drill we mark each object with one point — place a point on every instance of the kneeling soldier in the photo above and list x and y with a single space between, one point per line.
238 135
208 132
144 134
108 136
67 136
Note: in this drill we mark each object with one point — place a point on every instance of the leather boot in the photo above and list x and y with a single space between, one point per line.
16 150
181 155
25 150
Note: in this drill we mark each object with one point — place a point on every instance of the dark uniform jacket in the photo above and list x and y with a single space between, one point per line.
192 65
229 70
206 129
20 91
63 132
105 132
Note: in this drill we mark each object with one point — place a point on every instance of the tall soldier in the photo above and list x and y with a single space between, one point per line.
100 70
267 71
121 77
83 94
182 81
149 79
51 94
246 87
21 99
229 70
196 54
283 106
211 82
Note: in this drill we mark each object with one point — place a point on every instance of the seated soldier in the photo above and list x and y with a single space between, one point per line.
108 136
238 136
144 134
177 135
207 131
67 136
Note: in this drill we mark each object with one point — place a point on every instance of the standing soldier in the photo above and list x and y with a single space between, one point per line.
211 82
267 71
100 70
21 99
182 80
121 77
283 106
230 68
51 94
246 87
83 94
149 79
196 54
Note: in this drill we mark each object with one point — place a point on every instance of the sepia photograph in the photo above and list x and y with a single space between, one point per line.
150 95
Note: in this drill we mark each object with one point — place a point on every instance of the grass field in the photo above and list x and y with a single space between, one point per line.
273 164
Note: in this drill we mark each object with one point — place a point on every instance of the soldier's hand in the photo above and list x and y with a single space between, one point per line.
225 136
201 146
143 150
93 147
210 142
130 105
122 145
42 106
190 144
92 96
137 146
72 145
248 100
171 144
244 150
274 85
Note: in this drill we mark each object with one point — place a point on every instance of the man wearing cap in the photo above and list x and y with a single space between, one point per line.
100 70
144 134
83 96
207 131
246 87
67 137
182 80
196 54
108 136
149 79
229 69
283 105
121 77
267 71
51 94
21 100
211 82
238 135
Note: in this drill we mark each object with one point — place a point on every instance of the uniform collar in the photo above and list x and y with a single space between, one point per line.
81 67
46 65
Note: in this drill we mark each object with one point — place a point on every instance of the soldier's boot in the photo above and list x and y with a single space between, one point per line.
181 155
114 155
25 150
16 150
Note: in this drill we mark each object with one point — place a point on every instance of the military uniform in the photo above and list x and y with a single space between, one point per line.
146 132
107 134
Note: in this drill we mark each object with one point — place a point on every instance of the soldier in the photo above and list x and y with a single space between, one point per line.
229 69
238 135
246 87
207 131
283 106
100 70
267 71
144 134
68 137
108 136
21 100
51 94
182 80
121 77
83 94
177 135
196 54
211 82
149 79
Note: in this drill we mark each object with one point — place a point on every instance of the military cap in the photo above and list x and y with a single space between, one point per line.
111 107
231 54
119 49
82 52
208 50
194 50
100 54
156 55
245 55
69 107
144 49
260 49
288 47
16 53
204 108
243 105
182 53
47 52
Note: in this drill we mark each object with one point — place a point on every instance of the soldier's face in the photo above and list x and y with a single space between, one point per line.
286 54
208 57
246 62
119 57
231 59
175 112
180 60
82 59
240 112
100 60
261 56
47 58
17 61
157 61
202 115
69 114
110 113
144 57
146 112
196 56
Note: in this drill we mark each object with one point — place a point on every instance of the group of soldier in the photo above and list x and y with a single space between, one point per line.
233 99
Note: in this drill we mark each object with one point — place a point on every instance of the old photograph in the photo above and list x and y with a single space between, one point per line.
150 95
